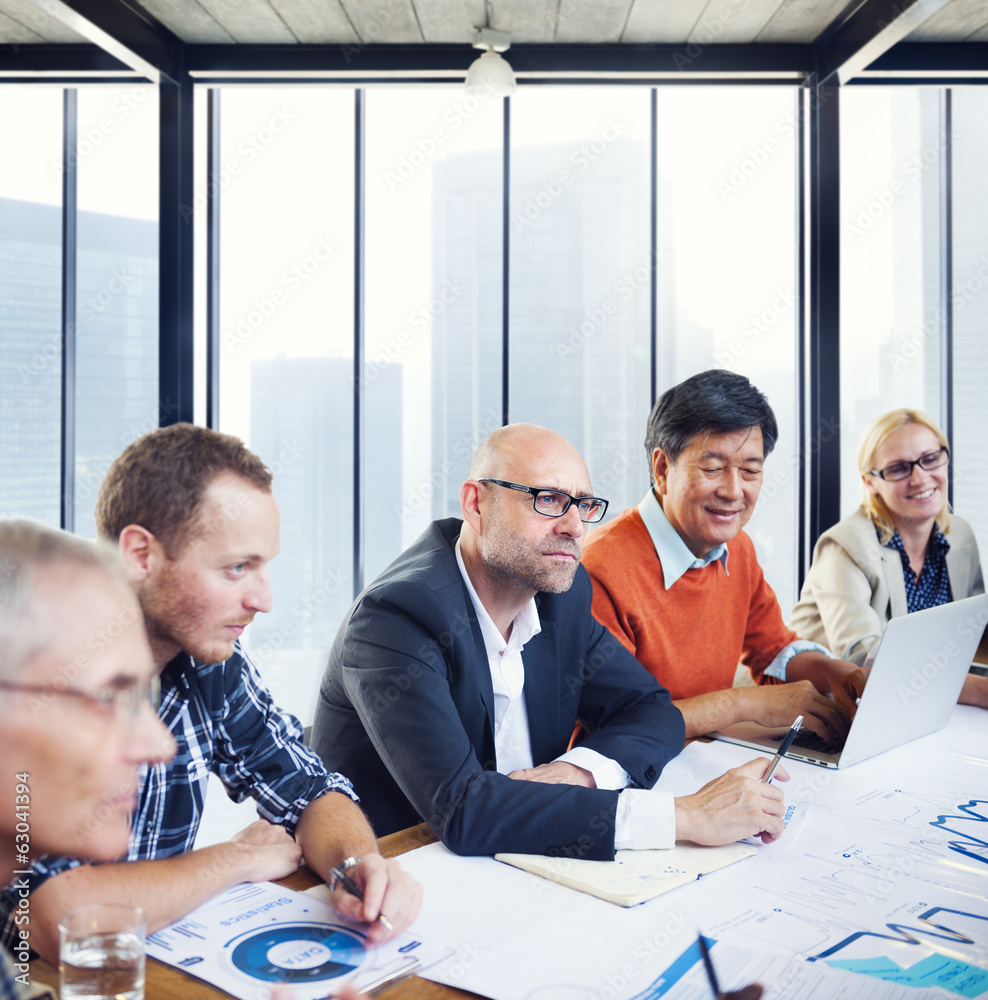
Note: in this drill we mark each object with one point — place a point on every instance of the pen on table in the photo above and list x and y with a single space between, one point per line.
784 749
342 878
708 964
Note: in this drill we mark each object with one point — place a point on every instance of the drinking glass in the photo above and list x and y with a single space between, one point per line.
101 953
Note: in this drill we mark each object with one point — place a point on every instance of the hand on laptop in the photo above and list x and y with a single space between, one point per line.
733 806
779 704
846 686
842 680
975 691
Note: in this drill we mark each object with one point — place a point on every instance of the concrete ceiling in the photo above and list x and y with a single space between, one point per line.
836 39
411 22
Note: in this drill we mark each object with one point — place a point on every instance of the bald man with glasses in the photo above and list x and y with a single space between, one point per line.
455 681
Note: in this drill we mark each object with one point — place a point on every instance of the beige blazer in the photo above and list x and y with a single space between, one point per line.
855 584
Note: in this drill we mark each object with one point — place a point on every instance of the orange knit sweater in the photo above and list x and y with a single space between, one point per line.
693 636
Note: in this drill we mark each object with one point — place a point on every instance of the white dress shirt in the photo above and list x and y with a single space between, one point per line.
644 819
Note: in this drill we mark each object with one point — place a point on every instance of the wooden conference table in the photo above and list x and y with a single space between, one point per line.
164 982
168 983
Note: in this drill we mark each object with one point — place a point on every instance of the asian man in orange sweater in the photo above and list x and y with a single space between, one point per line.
677 581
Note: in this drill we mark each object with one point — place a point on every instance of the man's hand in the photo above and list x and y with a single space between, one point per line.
388 890
332 828
282 991
265 852
974 691
846 684
780 704
556 772
840 678
752 992
733 806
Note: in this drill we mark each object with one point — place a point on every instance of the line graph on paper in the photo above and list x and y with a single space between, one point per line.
917 948
868 863
887 897
948 825
948 817
965 837
925 950
911 788
916 936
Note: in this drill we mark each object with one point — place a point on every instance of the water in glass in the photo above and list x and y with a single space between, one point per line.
103 967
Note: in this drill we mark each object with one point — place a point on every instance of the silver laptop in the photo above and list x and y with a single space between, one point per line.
916 678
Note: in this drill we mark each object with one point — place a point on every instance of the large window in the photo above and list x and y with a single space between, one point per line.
114 335
726 266
116 284
892 147
431 206
373 226
286 347
431 380
969 300
580 242
30 305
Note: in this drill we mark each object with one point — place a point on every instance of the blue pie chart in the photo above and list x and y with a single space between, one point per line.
299 953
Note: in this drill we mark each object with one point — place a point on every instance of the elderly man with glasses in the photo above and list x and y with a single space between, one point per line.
76 713
454 684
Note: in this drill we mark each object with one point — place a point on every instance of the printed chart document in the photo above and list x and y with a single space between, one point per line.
633 876
876 891
258 934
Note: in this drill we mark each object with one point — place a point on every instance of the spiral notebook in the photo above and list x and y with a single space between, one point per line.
633 876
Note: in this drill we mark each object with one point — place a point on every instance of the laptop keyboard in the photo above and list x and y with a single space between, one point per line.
806 739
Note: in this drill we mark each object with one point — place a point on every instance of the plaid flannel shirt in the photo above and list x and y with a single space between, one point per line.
10 986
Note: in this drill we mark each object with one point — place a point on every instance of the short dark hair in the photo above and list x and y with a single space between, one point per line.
160 479
714 401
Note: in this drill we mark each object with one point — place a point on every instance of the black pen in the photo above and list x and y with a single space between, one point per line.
708 964
784 749
349 885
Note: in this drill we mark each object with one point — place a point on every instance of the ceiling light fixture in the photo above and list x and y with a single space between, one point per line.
490 74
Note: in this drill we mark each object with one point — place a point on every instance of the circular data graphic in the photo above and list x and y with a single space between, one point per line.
299 953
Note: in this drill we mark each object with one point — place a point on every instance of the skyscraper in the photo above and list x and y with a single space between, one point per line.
116 345
579 301
302 427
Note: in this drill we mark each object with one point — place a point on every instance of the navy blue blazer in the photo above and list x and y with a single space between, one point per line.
406 711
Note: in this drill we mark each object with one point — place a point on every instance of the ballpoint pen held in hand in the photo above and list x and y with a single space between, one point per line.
784 749
339 876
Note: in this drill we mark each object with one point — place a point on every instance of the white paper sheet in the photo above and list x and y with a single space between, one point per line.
257 934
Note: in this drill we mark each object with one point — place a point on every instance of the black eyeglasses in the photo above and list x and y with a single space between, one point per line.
129 698
903 470
555 503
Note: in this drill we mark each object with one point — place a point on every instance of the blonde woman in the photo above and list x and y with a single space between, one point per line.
900 551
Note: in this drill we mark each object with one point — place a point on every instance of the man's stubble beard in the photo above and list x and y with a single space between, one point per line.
513 564
173 618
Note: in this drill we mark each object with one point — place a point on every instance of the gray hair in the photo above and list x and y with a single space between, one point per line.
29 551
